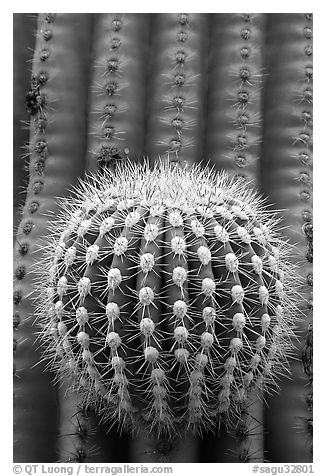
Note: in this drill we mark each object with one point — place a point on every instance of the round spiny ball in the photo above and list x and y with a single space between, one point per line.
167 296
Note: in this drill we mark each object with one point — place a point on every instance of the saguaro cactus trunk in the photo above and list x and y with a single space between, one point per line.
164 296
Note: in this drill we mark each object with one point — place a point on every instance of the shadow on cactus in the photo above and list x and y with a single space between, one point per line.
166 295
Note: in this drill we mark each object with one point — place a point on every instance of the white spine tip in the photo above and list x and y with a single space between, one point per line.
181 355
86 356
156 211
204 255
66 345
259 236
281 275
113 340
236 345
147 262
268 368
151 232
260 343
195 392
120 246
180 334
226 381
62 286
175 219
114 278
62 328
179 275
272 351
257 264
239 321
70 256
59 351
263 295
112 311
279 290
92 254
146 296
84 287
81 316
59 308
196 377
231 262
159 392
272 263
158 375
178 245
83 339
224 395
276 253
230 364
92 372
255 361
243 235
279 312
132 219
197 228
221 234
201 361
206 340
209 315
147 326
248 378
265 322
84 227
180 309
238 212
106 226
237 293
222 210
205 211
208 287
151 354
118 364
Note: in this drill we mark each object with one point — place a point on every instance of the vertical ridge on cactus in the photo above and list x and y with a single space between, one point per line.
176 107
23 26
287 162
117 90
56 102
234 115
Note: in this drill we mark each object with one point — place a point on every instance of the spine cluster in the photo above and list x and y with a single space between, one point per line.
165 298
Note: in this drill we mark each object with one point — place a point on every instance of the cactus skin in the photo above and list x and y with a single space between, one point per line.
164 311
32 229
